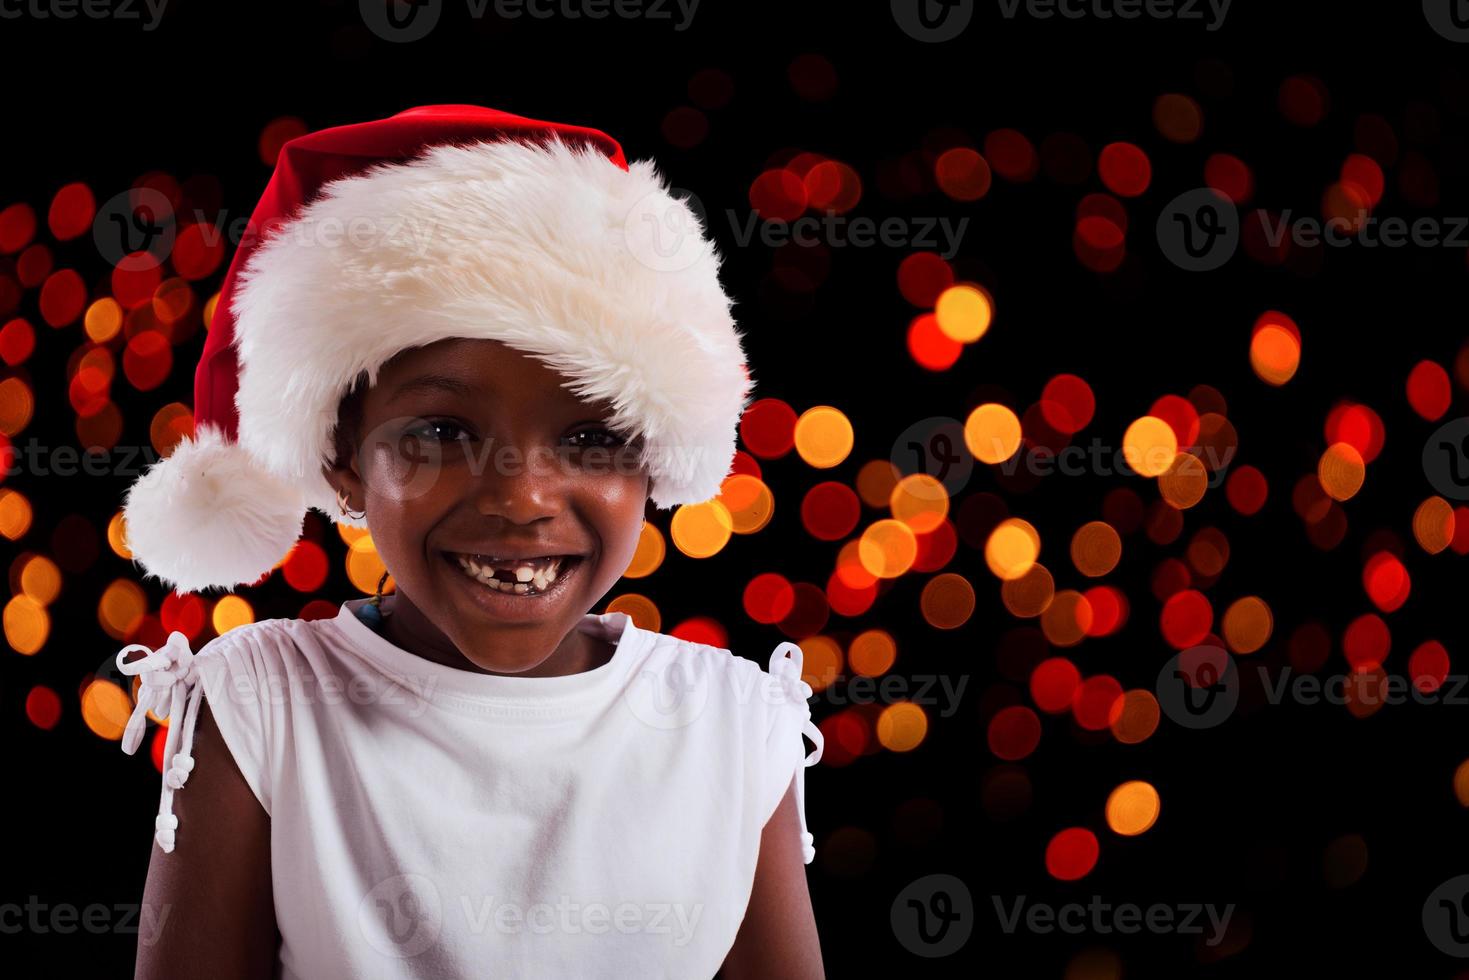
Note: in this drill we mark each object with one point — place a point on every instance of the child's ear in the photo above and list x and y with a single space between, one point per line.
344 478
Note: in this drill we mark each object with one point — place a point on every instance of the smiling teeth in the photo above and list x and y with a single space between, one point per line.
533 576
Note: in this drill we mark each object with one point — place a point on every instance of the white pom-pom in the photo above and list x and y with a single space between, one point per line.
210 516
163 831
178 773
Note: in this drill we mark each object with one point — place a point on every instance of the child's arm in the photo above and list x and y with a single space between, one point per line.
211 897
778 935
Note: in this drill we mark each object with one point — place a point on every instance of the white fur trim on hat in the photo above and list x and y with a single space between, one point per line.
208 515
550 248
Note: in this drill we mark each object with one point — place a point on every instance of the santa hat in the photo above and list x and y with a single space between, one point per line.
448 221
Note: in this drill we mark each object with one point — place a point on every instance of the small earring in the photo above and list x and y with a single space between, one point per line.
342 503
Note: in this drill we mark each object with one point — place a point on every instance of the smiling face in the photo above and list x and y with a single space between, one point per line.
470 447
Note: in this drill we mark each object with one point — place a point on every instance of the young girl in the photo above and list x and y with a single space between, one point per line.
489 341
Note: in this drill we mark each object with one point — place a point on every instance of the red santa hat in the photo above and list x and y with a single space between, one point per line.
446 221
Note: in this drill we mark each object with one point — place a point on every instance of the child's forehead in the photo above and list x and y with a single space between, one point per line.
482 370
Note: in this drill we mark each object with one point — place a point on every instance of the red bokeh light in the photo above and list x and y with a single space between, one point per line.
1072 854
1124 169
1053 685
1186 619
1067 403
1429 666
769 598
768 428
1366 642
1429 390
1014 732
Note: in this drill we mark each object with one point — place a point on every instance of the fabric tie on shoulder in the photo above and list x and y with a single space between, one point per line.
785 665
169 680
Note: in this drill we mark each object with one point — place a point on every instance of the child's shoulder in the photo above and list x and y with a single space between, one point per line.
740 677
266 646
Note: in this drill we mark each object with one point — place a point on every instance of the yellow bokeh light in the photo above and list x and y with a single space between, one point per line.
169 426
233 610
103 319
644 611
106 708
1184 482
902 727
649 554
351 535
1012 548
1133 807
887 548
121 609
15 514
27 624
1341 471
823 436
920 501
701 530
40 579
365 567
1247 624
16 405
872 653
1461 783
117 536
749 501
964 312
822 661
992 433
1096 547
1149 446
1434 525
1275 354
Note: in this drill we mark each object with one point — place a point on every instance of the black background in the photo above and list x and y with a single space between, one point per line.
1248 807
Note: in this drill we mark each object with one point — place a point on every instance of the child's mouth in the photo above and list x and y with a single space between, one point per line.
527 578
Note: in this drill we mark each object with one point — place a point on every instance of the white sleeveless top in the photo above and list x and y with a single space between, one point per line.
428 821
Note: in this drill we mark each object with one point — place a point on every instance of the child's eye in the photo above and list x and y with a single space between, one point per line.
433 426
613 439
